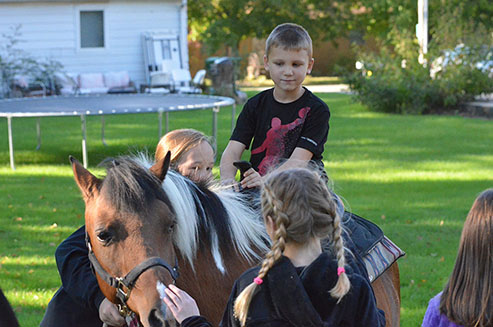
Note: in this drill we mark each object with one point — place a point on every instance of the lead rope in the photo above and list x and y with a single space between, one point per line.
133 320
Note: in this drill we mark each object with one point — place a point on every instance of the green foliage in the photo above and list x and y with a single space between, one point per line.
222 23
389 83
394 81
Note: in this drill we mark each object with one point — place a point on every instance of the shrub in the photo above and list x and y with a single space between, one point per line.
18 66
389 83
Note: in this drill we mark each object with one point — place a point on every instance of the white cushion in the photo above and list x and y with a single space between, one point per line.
116 79
93 90
91 81
66 81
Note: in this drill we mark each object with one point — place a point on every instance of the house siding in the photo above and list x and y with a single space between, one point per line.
50 30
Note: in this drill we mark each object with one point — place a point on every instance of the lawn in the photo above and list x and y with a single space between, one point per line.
415 176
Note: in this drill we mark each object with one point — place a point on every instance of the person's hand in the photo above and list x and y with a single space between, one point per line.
251 179
109 315
180 303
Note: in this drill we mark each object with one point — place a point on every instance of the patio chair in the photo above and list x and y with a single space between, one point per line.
183 81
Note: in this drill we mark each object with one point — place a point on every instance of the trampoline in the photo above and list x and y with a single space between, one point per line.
107 104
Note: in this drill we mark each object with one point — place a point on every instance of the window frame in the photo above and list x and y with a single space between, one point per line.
78 11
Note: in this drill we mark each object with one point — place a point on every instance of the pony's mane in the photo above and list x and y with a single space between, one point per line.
130 187
224 216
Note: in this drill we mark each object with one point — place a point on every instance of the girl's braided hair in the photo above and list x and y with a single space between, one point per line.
302 207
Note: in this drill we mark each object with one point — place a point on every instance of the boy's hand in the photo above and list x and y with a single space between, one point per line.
180 303
109 315
251 179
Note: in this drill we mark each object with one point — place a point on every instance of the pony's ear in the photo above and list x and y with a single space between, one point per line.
160 168
87 182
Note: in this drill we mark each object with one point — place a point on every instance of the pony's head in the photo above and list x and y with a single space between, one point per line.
129 224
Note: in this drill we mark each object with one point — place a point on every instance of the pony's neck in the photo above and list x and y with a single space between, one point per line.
303 254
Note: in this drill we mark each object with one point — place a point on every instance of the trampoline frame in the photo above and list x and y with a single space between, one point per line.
215 106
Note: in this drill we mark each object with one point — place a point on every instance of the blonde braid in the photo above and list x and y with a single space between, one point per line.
343 285
242 302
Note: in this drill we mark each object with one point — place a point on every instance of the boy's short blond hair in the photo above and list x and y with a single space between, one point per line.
289 36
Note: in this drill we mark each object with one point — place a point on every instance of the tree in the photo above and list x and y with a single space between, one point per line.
219 23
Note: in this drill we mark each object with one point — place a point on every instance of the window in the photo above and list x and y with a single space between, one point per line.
92 29
166 50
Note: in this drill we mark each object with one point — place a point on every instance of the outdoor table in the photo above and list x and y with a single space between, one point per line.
108 104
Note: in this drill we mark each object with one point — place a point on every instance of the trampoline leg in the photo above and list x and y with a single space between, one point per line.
160 124
233 117
215 111
84 149
11 143
38 132
102 131
166 122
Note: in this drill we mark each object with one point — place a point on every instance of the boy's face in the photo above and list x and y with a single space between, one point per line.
288 68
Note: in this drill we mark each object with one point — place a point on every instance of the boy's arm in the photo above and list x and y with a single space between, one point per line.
232 153
299 158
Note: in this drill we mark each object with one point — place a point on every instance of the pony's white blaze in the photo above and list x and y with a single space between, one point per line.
160 287
246 228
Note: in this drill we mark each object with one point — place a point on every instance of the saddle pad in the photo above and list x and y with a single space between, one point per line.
381 257
363 233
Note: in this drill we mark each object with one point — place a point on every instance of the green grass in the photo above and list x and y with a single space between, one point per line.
415 176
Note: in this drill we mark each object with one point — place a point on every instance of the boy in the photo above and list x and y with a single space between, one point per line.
285 122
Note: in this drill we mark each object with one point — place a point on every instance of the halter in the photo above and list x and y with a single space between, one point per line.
131 278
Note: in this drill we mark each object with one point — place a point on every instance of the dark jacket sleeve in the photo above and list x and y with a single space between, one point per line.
195 321
75 271
367 310
229 319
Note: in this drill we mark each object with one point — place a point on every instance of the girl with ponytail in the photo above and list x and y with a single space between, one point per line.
297 284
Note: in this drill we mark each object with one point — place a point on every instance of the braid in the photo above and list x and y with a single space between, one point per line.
342 286
242 302
302 209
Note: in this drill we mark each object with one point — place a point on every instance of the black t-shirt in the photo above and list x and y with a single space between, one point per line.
278 128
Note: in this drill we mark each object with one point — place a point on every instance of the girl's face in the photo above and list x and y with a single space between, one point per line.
197 163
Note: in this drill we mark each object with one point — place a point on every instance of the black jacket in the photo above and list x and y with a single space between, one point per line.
76 303
292 296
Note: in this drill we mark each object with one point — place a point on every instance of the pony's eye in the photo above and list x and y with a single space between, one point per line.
171 228
104 237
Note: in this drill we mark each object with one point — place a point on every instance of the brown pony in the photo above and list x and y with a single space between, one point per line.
145 231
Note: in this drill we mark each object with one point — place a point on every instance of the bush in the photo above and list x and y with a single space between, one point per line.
388 83
19 69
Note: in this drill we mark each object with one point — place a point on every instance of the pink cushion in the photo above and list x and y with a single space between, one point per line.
91 80
116 79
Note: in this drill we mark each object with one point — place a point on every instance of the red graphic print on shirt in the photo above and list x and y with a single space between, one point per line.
276 140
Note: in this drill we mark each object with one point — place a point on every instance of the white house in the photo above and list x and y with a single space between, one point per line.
101 36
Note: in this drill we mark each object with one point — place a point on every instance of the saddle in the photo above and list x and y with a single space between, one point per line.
377 251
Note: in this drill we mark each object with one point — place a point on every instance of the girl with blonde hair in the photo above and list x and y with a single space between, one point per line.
192 154
297 283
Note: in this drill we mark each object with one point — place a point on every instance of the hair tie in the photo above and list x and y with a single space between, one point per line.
258 280
340 270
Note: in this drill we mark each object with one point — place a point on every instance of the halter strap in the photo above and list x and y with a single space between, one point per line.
131 278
